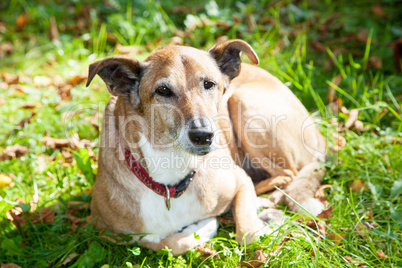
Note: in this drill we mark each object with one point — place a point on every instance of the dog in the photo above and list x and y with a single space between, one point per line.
181 134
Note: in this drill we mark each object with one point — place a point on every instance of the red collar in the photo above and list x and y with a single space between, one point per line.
166 191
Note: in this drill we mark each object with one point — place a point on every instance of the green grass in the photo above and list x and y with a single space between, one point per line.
282 35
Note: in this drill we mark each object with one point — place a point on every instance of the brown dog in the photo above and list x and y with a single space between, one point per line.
169 155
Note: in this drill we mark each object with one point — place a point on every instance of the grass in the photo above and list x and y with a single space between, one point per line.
306 44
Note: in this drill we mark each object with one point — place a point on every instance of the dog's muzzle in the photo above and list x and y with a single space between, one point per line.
200 134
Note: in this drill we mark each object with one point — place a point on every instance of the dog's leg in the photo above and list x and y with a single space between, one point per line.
302 190
191 236
270 183
248 225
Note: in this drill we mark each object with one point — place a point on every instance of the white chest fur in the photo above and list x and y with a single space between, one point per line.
168 166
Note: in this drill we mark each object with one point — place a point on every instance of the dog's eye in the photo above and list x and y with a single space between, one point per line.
208 84
164 91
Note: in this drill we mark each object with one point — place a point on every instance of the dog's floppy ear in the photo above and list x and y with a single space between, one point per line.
121 76
227 55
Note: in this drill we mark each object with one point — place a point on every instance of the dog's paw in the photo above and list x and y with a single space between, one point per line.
204 229
313 206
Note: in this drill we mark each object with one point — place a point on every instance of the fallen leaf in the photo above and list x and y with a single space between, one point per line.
326 214
55 143
28 105
317 46
130 51
274 253
10 265
64 91
337 237
357 186
68 259
322 228
6 48
53 31
378 11
362 35
353 114
257 260
207 251
331 90
10 79
369 216
18 217
5 180
375 62
226 220
363 228
396 46
340 142
381 254
320 194
22 20
27 120
13 151
73 207
348 258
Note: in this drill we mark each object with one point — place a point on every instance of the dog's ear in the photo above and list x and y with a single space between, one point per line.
227 55
121 76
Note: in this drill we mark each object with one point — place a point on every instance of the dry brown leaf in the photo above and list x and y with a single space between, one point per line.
53 31
340 142
130 51
18 217
358 185
10 79
6 48
378 11
337 237
226 220
68 259
54 143
363 228
353 114
13 151
326 214
22 20
207 251
274 253
64 91
26 120
10 265
362 35
396 46
320 194
332 90
381 254
5 180
259 258
28 105
322 228
73 207
375 62
317 46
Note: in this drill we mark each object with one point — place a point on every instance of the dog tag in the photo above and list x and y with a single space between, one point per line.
167 198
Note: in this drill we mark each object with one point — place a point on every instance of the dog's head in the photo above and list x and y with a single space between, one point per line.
178 90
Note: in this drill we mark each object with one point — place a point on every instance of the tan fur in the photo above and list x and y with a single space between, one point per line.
131 117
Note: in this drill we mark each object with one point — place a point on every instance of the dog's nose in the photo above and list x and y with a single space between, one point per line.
201 132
